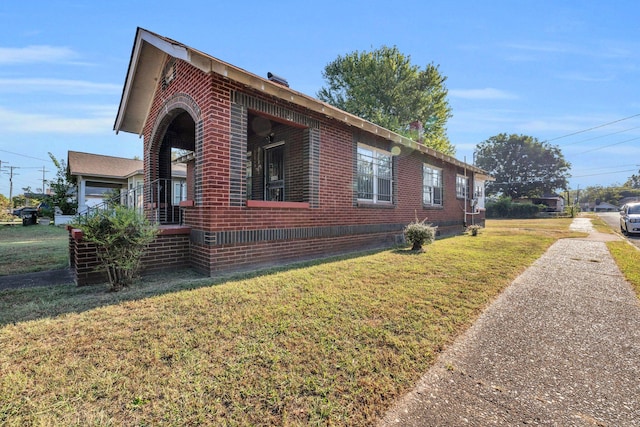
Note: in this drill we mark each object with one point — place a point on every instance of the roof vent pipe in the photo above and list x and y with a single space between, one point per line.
277 79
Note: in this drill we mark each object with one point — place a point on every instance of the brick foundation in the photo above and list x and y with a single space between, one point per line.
170 251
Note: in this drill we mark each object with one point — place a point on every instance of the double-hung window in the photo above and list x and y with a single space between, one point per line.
374 175
461 186
431 185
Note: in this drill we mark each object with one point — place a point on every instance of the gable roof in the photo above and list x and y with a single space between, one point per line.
96 165
149 53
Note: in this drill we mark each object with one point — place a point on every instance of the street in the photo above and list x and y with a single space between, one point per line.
613 219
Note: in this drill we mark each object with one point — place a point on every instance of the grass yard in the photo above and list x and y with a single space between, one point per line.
626 255
32 248
326 343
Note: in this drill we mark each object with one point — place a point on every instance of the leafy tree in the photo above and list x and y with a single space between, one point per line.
633 181
383 87
19 200
612 194
62 189
5 208
522 166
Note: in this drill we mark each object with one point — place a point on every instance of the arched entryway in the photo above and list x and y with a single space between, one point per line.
171 166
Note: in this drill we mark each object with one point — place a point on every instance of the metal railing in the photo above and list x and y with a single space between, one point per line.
156 199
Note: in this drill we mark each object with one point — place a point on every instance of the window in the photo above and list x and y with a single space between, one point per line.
374 175
461 186
274 172
431 185
179 191
479 193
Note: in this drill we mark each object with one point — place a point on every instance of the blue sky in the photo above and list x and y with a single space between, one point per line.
567 72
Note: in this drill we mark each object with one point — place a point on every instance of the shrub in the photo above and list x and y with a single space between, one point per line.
473 229
121 236
506 208
418 233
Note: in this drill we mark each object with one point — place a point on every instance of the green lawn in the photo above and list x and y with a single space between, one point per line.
325 343
626 255
32 248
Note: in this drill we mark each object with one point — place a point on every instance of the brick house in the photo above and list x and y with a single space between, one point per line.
274 175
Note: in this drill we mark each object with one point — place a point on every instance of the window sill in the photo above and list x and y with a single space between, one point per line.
379 205
281 205
433 207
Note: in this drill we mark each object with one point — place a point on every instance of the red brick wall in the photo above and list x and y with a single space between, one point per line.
212 95
169 251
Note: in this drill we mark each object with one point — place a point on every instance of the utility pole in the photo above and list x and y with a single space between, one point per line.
10 201
43 181
11 168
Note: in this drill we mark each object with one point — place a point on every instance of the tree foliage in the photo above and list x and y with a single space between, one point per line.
62 189
522 166
5 208
633 181
383 87
612 194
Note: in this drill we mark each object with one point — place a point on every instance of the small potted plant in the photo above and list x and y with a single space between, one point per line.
46 215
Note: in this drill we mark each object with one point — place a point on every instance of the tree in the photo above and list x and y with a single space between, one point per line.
62 189
633 181
522 166
612 194
383 87
5 208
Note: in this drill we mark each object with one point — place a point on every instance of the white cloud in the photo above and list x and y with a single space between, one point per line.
61 86
35 54
31 123
486 93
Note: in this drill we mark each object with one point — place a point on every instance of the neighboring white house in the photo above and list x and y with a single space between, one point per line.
600 207
479 190
100 176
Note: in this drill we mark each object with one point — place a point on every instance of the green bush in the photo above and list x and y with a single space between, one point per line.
506 208
121 236
418 234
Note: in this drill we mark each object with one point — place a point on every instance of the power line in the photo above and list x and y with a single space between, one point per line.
592 128
24 155
604 173
607 146
602 136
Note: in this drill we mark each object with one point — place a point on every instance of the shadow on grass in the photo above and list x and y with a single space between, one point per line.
33 303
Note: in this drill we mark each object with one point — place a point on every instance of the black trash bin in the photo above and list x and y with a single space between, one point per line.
29 216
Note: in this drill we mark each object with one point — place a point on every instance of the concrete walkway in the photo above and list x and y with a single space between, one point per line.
560 347
40 278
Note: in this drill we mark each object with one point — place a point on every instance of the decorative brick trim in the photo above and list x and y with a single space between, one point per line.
253 103
217 238
237 156
276 205
170 109
311 184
